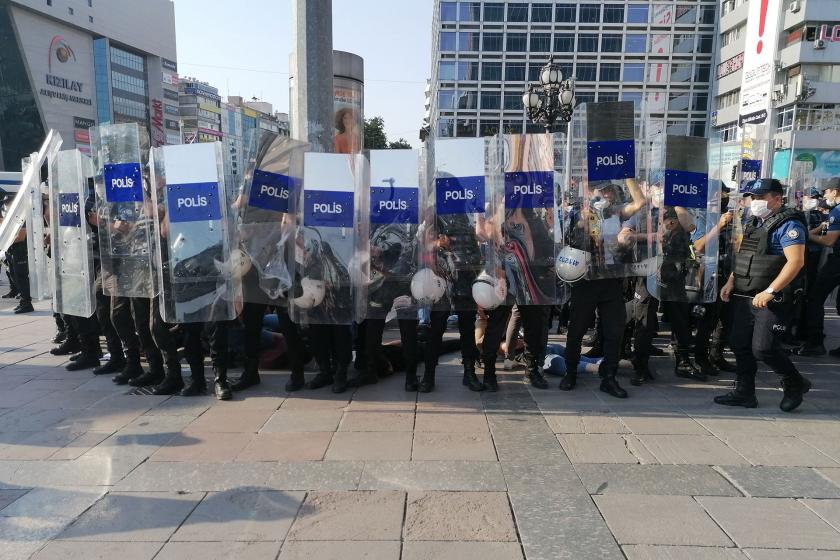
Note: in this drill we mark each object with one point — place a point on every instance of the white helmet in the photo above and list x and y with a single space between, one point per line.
571 264
427 287
313 293
488 292
240 263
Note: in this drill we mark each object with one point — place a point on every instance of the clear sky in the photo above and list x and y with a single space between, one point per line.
242 47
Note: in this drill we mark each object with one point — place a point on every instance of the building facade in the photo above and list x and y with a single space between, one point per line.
71 64
657 54
804 121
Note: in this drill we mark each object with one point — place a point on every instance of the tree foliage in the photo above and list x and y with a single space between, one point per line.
376 139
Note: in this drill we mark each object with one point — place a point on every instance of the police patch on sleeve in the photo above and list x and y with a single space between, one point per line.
831 219
793 234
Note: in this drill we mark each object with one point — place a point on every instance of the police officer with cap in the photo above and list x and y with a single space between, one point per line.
765 276
828 276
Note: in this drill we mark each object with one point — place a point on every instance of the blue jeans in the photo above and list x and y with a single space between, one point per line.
555 361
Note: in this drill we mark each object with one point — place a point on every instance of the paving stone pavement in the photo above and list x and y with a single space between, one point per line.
89 471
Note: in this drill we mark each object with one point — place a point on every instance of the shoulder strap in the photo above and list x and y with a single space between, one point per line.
783 216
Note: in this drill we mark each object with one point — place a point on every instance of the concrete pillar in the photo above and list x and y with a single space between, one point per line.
311 65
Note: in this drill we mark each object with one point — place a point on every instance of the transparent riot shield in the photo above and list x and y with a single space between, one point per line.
527 251
756 152
686 220
71 235
195 235
609 215
393 242
266 222
329 266
461 229
37 240
123 207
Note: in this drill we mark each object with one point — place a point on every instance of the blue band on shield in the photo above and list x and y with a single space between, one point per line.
272 191
460 195
529 189
328 208
193 202
123 182
613 159
686 189
397 205
69 214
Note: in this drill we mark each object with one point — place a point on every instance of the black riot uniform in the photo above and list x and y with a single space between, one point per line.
756 331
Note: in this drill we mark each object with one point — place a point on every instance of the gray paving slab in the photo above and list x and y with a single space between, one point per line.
247 515
84 471
459 517
339 550
133 517
316 475
467 476
648 552
68 550
218 551
670 480
350 516
828 510
781 482
430 550
9 496
195 477
54 503
787 554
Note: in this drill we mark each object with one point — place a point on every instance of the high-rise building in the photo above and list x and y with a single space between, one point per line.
656 54
201 111
804 94
71 64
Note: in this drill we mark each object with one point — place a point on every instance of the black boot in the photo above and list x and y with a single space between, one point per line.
742 395
471 379
427 384
706 366
132 369
60 336
534 374
196 384
86 360
339 384
642 373
490 382
411 383
323 379
154 376
569 380
721 364
69 346
251 376
610 386
114 364
296 382
366 377
686 369
172 383
596 351
220 383
795 386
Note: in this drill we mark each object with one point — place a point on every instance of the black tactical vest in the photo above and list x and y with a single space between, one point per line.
754 268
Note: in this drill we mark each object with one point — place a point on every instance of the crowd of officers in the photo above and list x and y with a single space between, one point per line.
773 284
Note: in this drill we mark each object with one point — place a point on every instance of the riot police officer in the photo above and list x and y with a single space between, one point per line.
762 285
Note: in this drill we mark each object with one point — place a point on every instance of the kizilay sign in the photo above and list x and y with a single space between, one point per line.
67 90
762 38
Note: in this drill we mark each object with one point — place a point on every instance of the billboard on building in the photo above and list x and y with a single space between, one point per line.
762 39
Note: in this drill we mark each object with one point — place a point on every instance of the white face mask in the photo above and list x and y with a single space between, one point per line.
809 204
759 209
601 204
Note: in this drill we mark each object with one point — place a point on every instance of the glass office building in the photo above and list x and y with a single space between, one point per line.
657 54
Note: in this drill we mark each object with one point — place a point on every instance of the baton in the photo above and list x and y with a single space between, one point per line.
777 299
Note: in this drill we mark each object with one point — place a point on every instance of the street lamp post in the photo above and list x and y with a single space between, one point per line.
553 98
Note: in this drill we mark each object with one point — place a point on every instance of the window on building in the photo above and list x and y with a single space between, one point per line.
784 119
517 13
708 15
467 99
679 101
447 71
511 126
491 71
702 72
446 128
468 70
634 72
681 72
90 3
608 96
491 100
517 42
565 13
588 42
584 97
488 127
70 11
590 13
634 96
494 11
541 13
469 11
685 14
564 42
683 43
635 43
534 71
469 41
586 72
515 72
610 72
700 102
49 2
566 68
540 42
614 13
465 128
611 42
446 99
637 13
677 128
448 40
512 101
705 43
697 128
493 42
